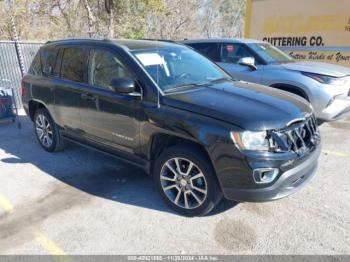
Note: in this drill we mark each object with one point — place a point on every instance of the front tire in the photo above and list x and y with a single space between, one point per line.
186 181
47 131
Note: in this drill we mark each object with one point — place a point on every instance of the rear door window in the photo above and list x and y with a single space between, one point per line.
103 67
74 64
48 60
210 50
57 68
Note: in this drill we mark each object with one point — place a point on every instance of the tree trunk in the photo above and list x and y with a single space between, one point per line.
111 24
91 18
109 6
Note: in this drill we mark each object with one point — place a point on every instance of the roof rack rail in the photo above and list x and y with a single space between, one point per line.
160 40
78 38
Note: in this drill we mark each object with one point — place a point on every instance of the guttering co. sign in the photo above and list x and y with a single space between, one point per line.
315 30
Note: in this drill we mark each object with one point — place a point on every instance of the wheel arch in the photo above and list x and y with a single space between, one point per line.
162 141
33 106
292 89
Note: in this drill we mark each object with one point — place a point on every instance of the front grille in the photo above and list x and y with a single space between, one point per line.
299 137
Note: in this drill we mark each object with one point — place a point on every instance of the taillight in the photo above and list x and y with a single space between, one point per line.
24 91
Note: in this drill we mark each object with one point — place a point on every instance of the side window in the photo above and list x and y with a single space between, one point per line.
74 64
211 50
103 67
57 67
35 67
48 59
232 53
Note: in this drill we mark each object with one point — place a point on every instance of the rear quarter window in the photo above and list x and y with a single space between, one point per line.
35 67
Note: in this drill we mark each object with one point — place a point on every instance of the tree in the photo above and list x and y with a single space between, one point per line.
223 18
177 20
164 19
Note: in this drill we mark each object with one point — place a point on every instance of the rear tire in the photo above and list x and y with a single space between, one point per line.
187 181
47 131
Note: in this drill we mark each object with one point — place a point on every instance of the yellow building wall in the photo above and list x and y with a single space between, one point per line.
316 30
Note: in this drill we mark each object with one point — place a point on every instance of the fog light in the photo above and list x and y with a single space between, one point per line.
265 175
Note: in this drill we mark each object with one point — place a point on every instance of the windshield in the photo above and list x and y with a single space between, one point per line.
271 54
178 68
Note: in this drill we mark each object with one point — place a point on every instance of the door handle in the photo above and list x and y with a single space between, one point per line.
88 97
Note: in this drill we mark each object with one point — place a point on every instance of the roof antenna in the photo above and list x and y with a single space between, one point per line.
158 95
158 98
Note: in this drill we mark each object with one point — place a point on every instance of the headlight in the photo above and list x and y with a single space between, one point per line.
248 140
329 80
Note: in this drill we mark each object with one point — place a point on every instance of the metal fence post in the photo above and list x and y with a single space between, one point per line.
17 46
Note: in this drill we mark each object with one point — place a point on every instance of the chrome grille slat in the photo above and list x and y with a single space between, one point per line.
314 123
298 138
290 136
309 129
311 126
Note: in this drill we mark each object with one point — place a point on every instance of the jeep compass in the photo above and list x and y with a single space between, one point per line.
172 112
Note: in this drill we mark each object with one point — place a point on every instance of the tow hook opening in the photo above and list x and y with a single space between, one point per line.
265 175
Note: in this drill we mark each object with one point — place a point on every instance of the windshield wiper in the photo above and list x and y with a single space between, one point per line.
183 86
218 80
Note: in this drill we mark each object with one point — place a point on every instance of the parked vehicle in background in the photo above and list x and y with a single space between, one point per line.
200 134
8 108
5 105
325 86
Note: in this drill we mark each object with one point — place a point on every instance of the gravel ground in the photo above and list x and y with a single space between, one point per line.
82 202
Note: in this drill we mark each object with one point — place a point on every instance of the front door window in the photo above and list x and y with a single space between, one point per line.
105 66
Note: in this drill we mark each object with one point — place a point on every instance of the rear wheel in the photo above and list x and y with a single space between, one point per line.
187 181
47 131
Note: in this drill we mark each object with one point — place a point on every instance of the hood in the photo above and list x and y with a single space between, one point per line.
246 105
318 68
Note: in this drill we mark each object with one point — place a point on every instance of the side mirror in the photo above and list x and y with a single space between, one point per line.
248 61
123 85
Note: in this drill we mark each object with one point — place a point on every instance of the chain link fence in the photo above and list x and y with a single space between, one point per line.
10 67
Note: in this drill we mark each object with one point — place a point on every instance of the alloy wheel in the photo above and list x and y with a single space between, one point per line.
44 130
183 183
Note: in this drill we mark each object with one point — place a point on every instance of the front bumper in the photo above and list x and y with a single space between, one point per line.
338 109
287 183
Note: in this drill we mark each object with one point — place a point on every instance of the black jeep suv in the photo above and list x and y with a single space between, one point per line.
169 110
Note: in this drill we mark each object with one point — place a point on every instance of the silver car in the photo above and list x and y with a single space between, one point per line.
325 86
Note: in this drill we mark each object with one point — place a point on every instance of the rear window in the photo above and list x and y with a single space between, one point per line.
74 64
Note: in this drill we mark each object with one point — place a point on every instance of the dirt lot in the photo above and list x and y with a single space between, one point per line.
82 202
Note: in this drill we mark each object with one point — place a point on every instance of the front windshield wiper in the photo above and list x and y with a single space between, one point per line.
218 80
183 86
281 62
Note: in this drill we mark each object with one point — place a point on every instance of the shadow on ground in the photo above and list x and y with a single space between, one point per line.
84 169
